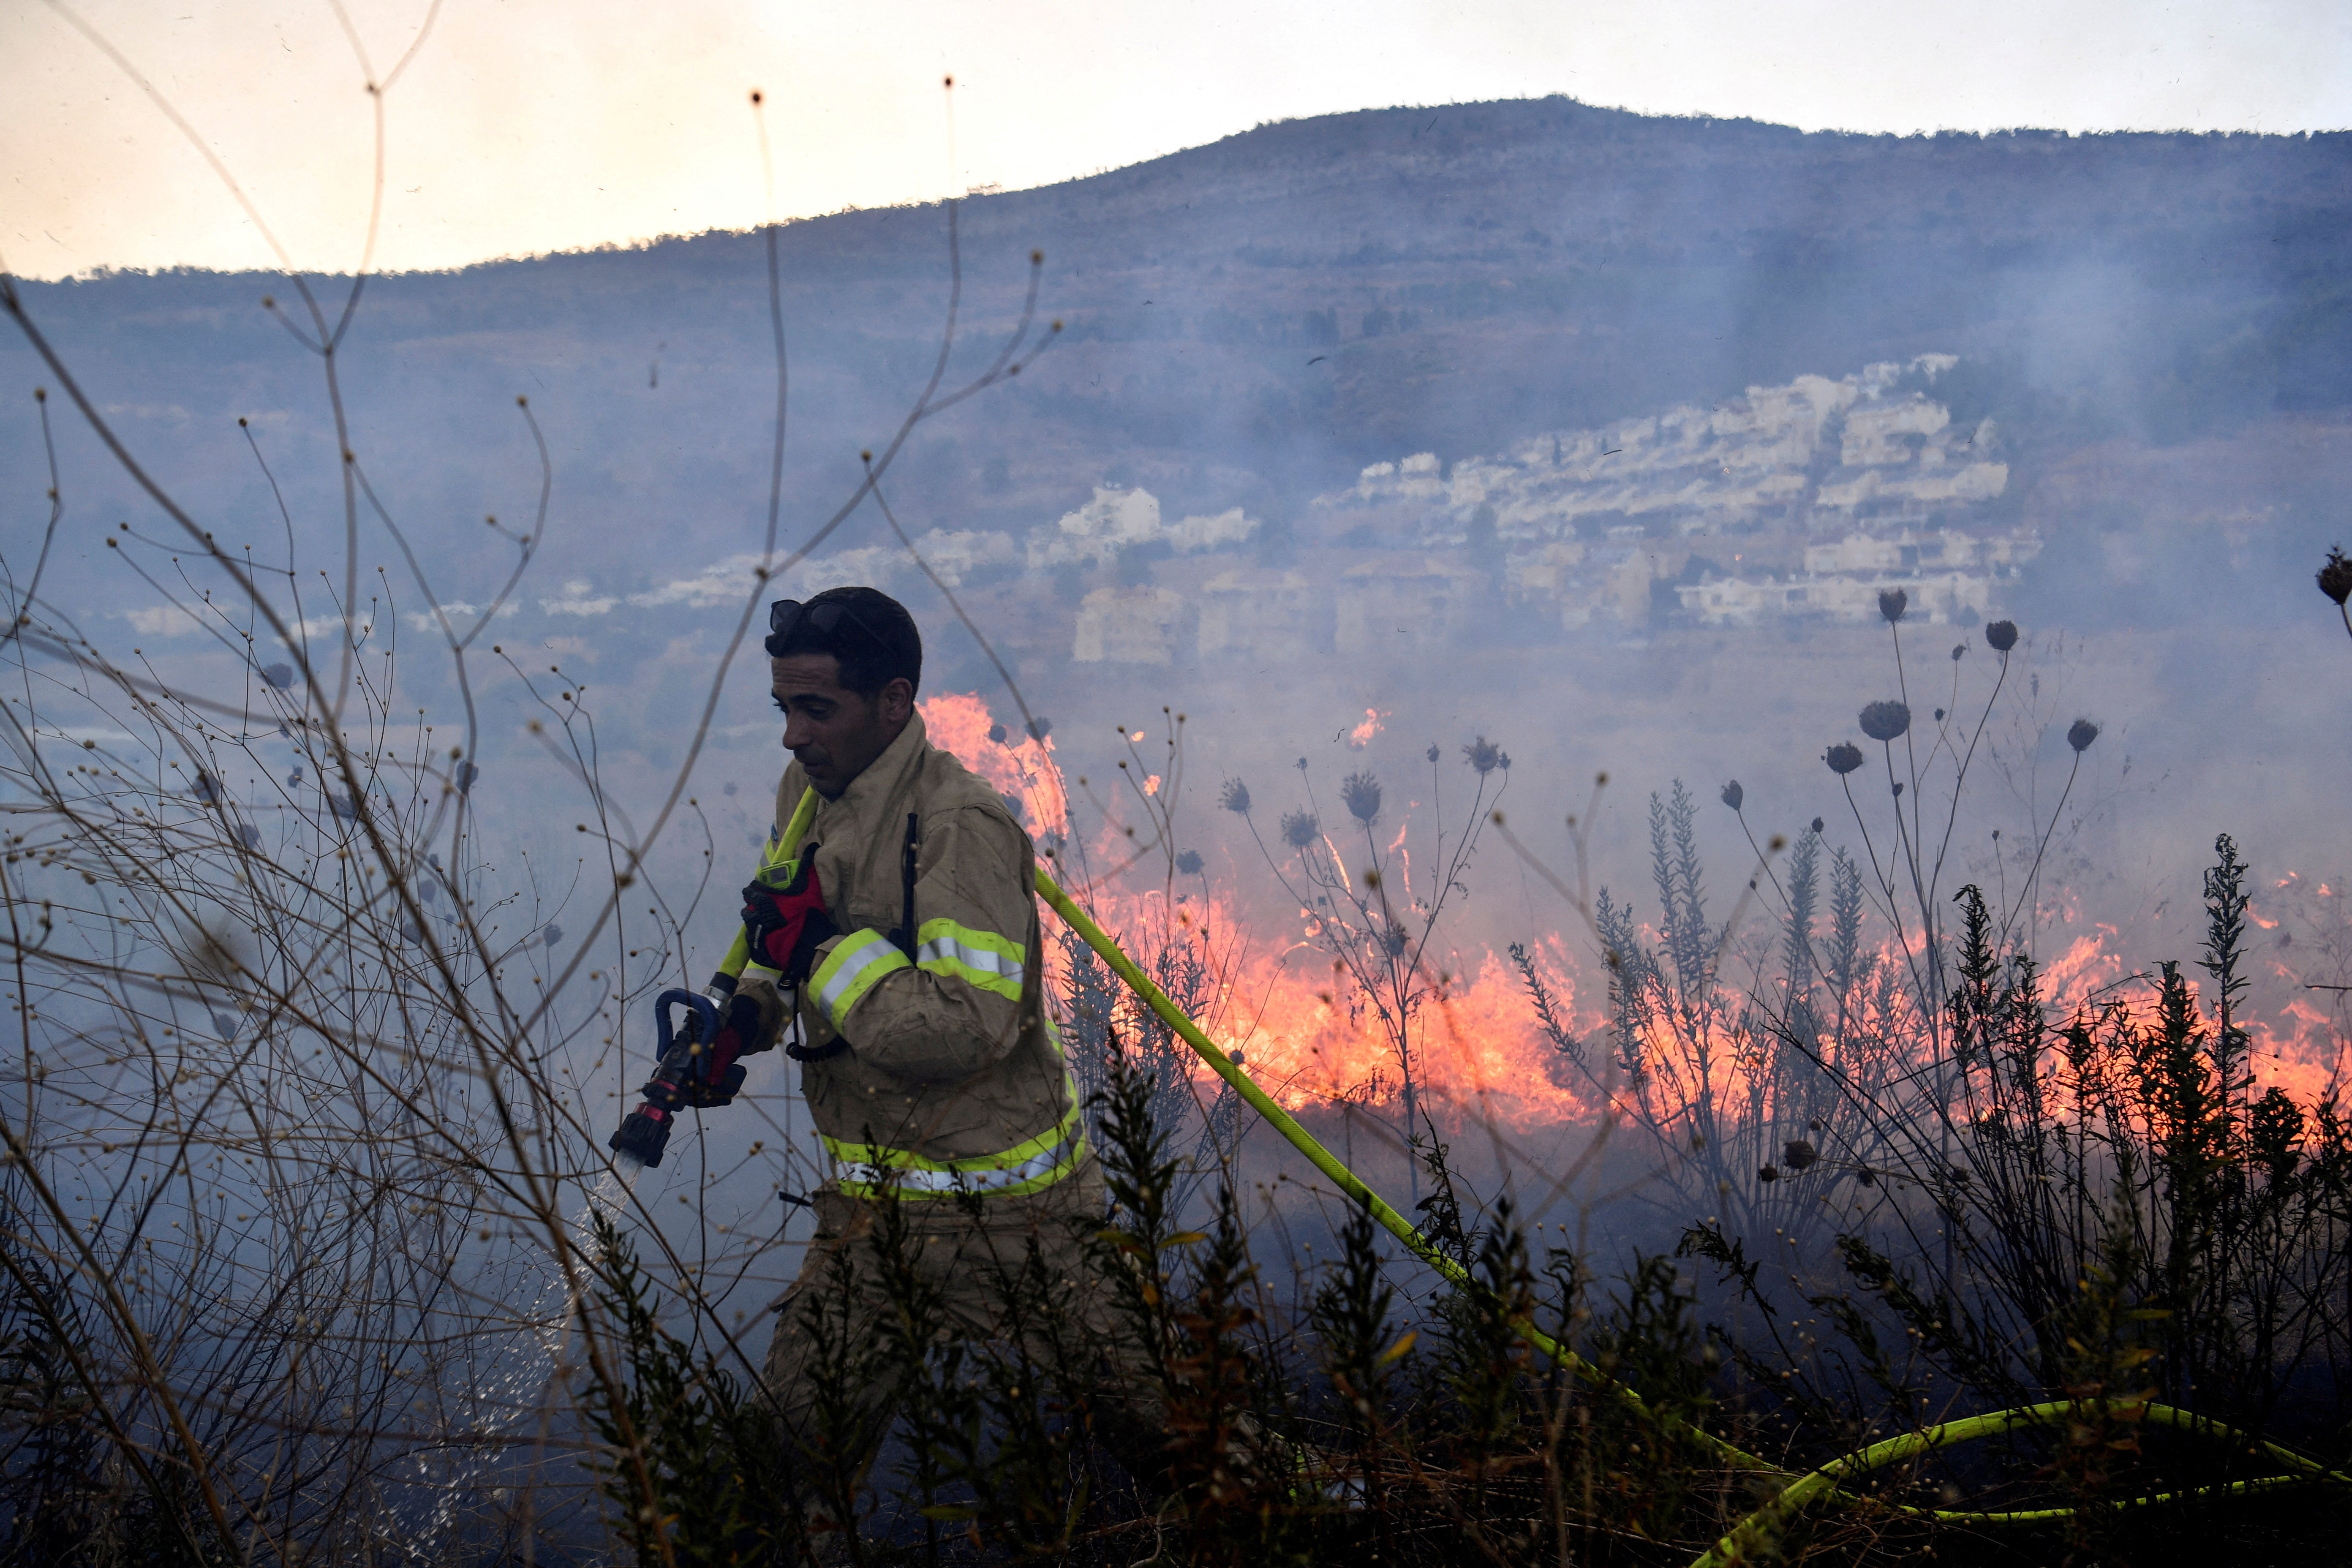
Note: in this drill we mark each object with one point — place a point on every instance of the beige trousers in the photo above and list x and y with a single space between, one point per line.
816 1368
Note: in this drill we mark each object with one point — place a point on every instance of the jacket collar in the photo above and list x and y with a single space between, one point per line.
888 774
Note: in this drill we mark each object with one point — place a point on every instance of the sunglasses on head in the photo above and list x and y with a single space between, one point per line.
786 616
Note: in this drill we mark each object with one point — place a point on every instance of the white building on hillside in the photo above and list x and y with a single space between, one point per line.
1265 615
1131 626
1399 605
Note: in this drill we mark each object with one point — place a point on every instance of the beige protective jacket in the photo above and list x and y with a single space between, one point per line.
953 1080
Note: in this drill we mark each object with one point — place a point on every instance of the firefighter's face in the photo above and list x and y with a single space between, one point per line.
832 731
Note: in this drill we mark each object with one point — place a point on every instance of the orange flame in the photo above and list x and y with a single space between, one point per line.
960 723
1308 1035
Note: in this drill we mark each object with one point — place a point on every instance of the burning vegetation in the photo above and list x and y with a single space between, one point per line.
1844 1223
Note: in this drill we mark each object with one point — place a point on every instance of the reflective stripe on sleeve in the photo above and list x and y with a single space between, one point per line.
982 958
856 962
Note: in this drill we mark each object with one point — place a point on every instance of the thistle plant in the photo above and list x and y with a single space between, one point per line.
1104 1031
2336 581
1734 1084
1376 924
1905 877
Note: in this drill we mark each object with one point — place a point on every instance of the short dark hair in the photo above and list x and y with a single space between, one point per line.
874 641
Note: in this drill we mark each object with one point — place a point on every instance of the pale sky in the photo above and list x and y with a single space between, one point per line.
525 126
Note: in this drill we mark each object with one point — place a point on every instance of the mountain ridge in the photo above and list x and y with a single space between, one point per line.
1252 323
1252 145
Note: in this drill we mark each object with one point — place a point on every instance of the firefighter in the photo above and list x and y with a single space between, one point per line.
907 926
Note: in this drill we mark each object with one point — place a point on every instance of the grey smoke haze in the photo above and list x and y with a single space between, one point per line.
1368 371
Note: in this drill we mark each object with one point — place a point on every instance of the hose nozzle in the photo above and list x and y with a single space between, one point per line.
684 1075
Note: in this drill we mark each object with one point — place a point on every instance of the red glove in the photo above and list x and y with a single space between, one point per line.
785 921
740 1034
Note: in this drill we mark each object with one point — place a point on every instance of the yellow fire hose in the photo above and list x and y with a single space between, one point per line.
1752 1536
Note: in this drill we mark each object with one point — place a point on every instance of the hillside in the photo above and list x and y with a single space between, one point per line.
2151 335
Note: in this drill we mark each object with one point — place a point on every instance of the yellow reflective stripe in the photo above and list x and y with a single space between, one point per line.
868 1170
1021 1152
904 1160
1039 1171
980 958
855 963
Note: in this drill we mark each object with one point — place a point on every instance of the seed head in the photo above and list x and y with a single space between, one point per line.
1040 727
2080 733
1189 863
1892 603
1768 1173
1960 651
1235 797
1361 793
1817 825
996 734
2336 577
1843 757
2001 635
1298 829
1798 1154
1485 756
1433 751
277 677
1733 794
1886 720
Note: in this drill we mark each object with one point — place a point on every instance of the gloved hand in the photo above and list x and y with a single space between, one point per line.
785 921
701 1072
737 1023
749 1022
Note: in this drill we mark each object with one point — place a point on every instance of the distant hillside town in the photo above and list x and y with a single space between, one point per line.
1794 502
1345 382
